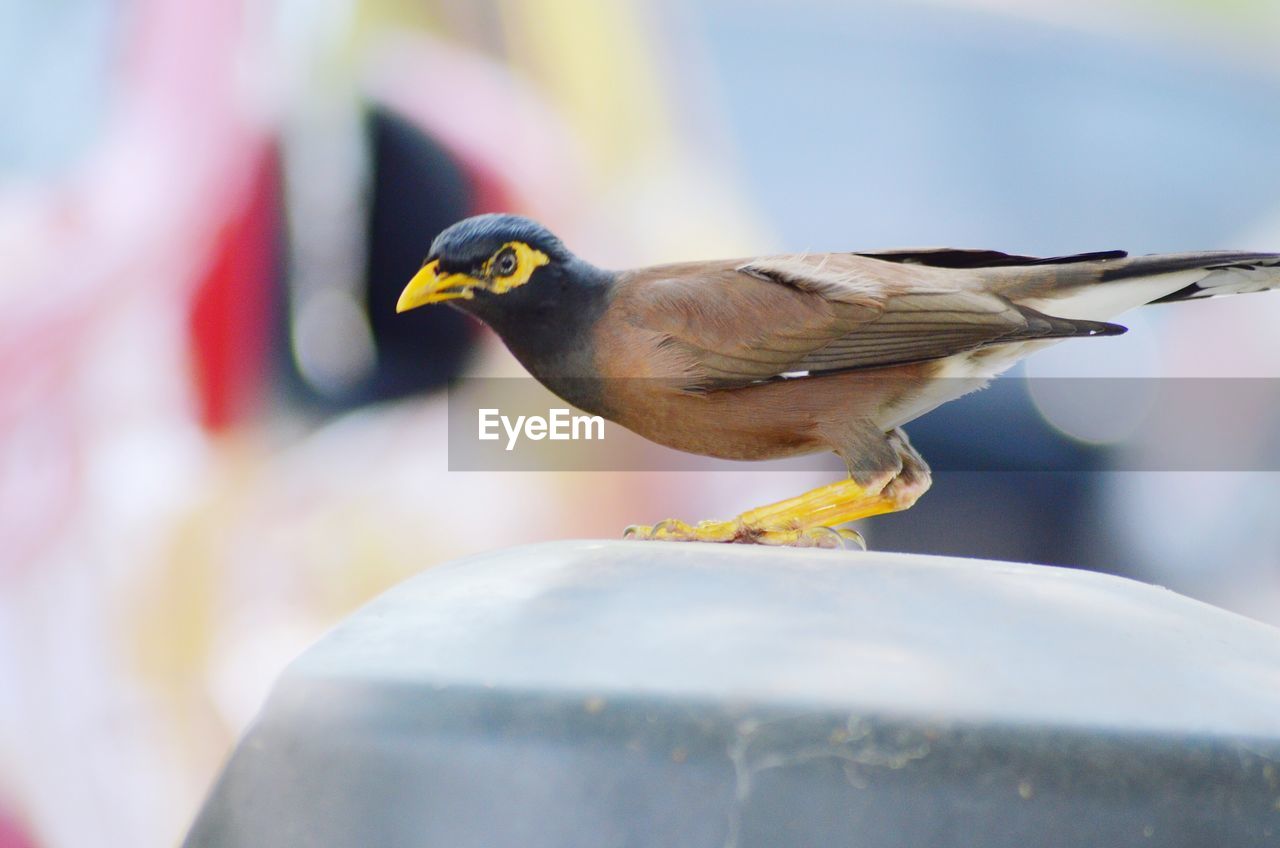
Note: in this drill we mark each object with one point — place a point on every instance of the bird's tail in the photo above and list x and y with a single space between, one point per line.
1224 272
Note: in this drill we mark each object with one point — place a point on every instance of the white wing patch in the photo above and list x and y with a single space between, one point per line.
1107 300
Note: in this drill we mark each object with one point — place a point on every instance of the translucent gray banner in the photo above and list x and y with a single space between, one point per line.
1112 424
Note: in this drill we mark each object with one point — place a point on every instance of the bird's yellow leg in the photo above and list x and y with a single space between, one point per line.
812 519
807 520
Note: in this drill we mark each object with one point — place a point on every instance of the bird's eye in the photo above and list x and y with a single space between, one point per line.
505 264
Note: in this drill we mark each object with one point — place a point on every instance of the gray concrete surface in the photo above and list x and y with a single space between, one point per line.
645 694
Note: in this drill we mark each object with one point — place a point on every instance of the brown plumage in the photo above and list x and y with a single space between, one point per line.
778 356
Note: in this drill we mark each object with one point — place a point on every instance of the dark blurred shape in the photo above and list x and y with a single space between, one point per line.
651 694
418 188
989 512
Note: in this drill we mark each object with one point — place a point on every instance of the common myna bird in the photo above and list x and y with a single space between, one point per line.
785 355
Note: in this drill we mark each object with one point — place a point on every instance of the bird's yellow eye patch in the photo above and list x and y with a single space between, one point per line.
512 265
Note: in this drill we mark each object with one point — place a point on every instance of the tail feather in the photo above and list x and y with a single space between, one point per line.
1226 272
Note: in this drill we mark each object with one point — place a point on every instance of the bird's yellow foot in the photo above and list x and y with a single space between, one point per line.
739 532
811 520
674 530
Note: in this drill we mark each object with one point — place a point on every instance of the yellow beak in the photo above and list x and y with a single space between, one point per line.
430 286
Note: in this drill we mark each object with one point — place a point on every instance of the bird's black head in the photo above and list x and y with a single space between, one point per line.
519 279
484 258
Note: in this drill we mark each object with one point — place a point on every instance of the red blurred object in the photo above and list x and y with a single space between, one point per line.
232 309
12 834
492 193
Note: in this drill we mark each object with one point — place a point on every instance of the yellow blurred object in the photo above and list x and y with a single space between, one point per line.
592 58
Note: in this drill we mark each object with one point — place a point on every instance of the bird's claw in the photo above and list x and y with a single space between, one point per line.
840 538
673 530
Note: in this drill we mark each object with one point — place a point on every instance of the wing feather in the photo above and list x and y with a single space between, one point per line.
738 324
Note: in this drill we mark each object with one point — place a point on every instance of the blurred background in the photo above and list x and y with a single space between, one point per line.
216 438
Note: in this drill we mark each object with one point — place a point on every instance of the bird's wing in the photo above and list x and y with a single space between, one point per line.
807 316
952 257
